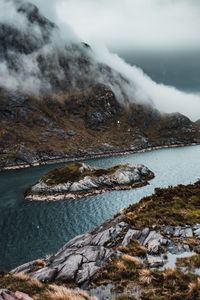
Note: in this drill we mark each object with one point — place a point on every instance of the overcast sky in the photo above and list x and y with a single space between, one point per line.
131 24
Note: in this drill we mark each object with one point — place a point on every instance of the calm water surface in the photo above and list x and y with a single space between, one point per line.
30 230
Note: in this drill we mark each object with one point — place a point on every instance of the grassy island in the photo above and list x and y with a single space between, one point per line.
79 180
76 172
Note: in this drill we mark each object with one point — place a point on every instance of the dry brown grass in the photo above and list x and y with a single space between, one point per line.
35 283
120 266
31 282
145 276
192 287
192 242
23 277
131 259
168 273
123 249
62 293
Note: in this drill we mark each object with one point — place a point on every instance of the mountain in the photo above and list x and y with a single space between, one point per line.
57 101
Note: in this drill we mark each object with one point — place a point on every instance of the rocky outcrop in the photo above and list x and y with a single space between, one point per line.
85 181
83 259
8 295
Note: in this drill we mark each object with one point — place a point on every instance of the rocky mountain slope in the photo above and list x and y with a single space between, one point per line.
57 101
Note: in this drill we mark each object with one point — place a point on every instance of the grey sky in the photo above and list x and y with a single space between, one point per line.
136 24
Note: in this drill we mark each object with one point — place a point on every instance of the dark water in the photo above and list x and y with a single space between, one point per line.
30 230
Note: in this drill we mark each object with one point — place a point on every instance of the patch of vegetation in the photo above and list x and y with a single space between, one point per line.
22 283
170 284
134 249
192 261
192 242
125 297
171 206
74 173
38 290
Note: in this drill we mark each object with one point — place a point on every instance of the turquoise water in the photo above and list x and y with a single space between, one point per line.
30 230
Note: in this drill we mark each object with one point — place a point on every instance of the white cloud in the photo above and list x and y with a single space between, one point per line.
165 98
135 24
128 23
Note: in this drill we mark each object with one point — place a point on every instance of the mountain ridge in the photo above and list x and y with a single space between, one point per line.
70 98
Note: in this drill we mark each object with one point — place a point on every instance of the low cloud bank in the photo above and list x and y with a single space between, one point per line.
36 56
165 98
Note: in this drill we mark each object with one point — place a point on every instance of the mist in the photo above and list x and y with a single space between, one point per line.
140 25
167 99
50 42
171 25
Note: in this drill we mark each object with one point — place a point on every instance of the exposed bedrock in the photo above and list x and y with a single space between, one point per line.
79 179
83 259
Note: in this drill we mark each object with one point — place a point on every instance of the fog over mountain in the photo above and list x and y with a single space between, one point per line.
117 24
140 24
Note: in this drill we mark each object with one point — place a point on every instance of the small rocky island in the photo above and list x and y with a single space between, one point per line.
80 180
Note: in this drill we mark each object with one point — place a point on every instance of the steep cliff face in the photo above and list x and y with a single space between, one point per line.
55 97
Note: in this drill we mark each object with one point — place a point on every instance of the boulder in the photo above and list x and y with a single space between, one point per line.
68 270
22 296
130 236
155 261
25 268
45 274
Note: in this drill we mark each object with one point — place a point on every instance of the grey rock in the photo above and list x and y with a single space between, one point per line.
197 233
144 234
130 236
102 238
87 272
26 155
149 237
153 242
67 271
90 253
177 231
128 175
155 261
25 268
45 274
7 296
188 233
71 133
154 247
168 230
186 248
197 226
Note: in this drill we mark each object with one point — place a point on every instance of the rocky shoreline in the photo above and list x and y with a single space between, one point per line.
83 259
79 180
153 246
50 160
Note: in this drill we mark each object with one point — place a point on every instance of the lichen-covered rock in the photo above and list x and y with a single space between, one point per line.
82 258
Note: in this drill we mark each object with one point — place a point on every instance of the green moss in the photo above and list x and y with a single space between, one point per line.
72 173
